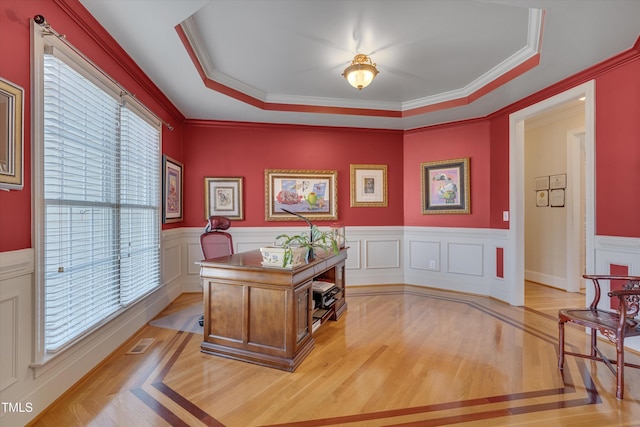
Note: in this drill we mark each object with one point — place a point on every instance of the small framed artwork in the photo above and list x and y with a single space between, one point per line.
311 193
445 187
542 198
11 136
368 185
556 198
541 183
558 181
171 190
223 196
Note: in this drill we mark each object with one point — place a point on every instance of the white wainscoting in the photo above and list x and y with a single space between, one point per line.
20 383
457 259
462 260
374 257
623 251
16 275
618 251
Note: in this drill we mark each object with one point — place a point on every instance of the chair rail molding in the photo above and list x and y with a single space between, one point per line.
420 256
16 263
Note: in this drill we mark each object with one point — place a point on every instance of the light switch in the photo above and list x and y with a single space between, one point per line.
505 215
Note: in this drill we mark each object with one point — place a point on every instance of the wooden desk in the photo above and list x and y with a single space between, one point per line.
262 314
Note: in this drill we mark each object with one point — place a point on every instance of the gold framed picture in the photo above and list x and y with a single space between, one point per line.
11 136
171 190
445 187
368 185
311 193
223 196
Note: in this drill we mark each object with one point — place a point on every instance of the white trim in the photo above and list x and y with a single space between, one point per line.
48 41
16 263
517 185
574 204
529 50
620 244
10 308
37 184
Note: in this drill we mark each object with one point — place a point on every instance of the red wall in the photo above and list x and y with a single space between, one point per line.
242 149
70 18
617 144
499 187
219 149
15 206
471 140
618 151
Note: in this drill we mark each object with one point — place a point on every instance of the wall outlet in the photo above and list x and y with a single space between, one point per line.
432 264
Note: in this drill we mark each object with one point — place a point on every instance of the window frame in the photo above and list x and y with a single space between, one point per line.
43 40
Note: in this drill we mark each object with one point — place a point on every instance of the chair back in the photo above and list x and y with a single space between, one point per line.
216 243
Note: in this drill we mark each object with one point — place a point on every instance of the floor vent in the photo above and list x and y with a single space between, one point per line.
141 346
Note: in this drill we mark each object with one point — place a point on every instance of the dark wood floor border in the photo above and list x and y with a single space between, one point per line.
591 398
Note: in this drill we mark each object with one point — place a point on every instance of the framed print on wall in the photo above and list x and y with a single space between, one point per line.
368 185
171 190
558 181
556 198
223 196
311 193
11 136
542 198
445 187
541 183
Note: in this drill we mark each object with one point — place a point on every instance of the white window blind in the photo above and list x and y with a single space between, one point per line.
139 207
101 205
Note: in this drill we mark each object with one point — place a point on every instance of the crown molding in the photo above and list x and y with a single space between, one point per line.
517 64
101 38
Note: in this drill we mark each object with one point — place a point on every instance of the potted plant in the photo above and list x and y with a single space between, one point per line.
292 250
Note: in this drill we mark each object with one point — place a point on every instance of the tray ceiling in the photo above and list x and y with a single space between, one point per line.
280 61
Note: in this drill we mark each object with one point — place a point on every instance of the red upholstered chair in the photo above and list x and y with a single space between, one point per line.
216 243
614 325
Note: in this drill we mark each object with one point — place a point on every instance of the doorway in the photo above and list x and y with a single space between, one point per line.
554 202
517 191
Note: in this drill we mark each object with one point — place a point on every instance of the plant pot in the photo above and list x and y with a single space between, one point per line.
272 256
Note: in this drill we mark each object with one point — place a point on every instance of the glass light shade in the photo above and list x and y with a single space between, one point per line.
361 72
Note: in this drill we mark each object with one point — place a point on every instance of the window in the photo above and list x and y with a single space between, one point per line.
97 198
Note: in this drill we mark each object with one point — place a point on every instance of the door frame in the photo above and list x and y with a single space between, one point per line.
575 240
515 264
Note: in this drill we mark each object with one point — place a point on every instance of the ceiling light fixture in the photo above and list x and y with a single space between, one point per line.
361 72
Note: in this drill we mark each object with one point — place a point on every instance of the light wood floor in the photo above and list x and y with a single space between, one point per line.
413 358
